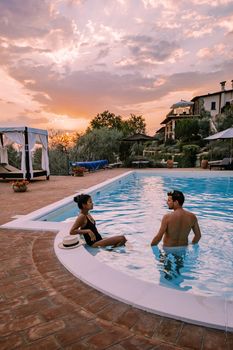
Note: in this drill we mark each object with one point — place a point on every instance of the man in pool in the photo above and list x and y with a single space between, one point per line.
85 225
175 227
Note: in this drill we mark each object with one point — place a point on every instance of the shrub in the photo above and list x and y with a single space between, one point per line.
190 156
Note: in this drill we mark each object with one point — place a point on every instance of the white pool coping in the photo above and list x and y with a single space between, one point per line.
29 221
214 312
211 312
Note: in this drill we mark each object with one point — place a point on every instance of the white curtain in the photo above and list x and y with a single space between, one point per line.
42 139
3 151
45 157
18 137
32 138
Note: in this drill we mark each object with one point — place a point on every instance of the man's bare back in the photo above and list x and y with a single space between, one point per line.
175 227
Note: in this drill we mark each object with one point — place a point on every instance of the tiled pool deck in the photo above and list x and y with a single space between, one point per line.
42 306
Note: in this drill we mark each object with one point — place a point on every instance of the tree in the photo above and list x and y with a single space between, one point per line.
204 127
186 129
189 155
224 120
107 120
60 149
58 161
134 125
97 144
14 157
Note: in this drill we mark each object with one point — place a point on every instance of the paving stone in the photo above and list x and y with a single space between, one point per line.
99 303
129 318
11 342
75 331
108 337
45 329
29 280
49 343
57 312
80 345
15 292
169 347
135 343
12 303
41 294
146 323
168 330
113 311
214 339
2 274
85 313
14 279
32 308
6 316
191 336
81 299
19 324
230 341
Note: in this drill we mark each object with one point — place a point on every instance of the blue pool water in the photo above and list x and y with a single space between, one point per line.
134 207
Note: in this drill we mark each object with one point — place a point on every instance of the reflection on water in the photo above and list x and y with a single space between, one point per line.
172 266
135 208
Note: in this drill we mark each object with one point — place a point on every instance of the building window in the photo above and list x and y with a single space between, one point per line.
213 106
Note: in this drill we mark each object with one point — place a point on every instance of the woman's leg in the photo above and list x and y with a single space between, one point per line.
115 241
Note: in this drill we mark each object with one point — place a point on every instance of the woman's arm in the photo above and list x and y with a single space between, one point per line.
77 227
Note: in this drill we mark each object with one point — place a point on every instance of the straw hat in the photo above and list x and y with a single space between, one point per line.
69 242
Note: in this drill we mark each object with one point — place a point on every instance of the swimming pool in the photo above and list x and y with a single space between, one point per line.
202 308
134 207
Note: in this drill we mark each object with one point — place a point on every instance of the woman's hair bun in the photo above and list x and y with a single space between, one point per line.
76 198
81 199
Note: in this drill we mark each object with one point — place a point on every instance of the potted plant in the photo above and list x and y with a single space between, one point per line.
204 161
20 185
170 163
78 171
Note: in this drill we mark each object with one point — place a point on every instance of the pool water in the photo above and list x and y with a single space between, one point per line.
134 207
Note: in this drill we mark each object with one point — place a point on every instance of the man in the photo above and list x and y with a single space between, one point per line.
175 227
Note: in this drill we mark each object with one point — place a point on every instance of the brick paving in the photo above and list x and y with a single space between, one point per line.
42 306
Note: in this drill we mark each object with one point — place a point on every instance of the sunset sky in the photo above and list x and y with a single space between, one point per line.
64 61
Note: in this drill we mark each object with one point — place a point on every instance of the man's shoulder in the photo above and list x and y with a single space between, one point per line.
167 216
190 215
187 212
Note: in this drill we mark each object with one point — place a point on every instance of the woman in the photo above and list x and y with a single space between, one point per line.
85 225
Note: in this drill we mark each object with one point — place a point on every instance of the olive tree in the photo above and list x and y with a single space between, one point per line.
97 144
186 129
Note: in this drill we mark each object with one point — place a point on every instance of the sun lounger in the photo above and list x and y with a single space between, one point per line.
114 165
140 163
225 164
92 165
8 171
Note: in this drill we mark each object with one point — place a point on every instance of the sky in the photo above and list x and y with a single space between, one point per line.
64 61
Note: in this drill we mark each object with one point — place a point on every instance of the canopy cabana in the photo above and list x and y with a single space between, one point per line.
25 138
225 134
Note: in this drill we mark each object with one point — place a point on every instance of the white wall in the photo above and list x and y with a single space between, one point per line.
225 97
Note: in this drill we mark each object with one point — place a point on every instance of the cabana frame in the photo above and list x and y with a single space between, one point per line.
26 138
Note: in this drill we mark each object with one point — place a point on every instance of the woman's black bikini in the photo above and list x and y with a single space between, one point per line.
91 226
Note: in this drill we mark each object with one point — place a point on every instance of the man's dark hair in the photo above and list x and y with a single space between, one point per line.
177 196
81 199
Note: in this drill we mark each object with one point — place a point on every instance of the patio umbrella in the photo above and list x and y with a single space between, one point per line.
182 103
138 138
225 134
